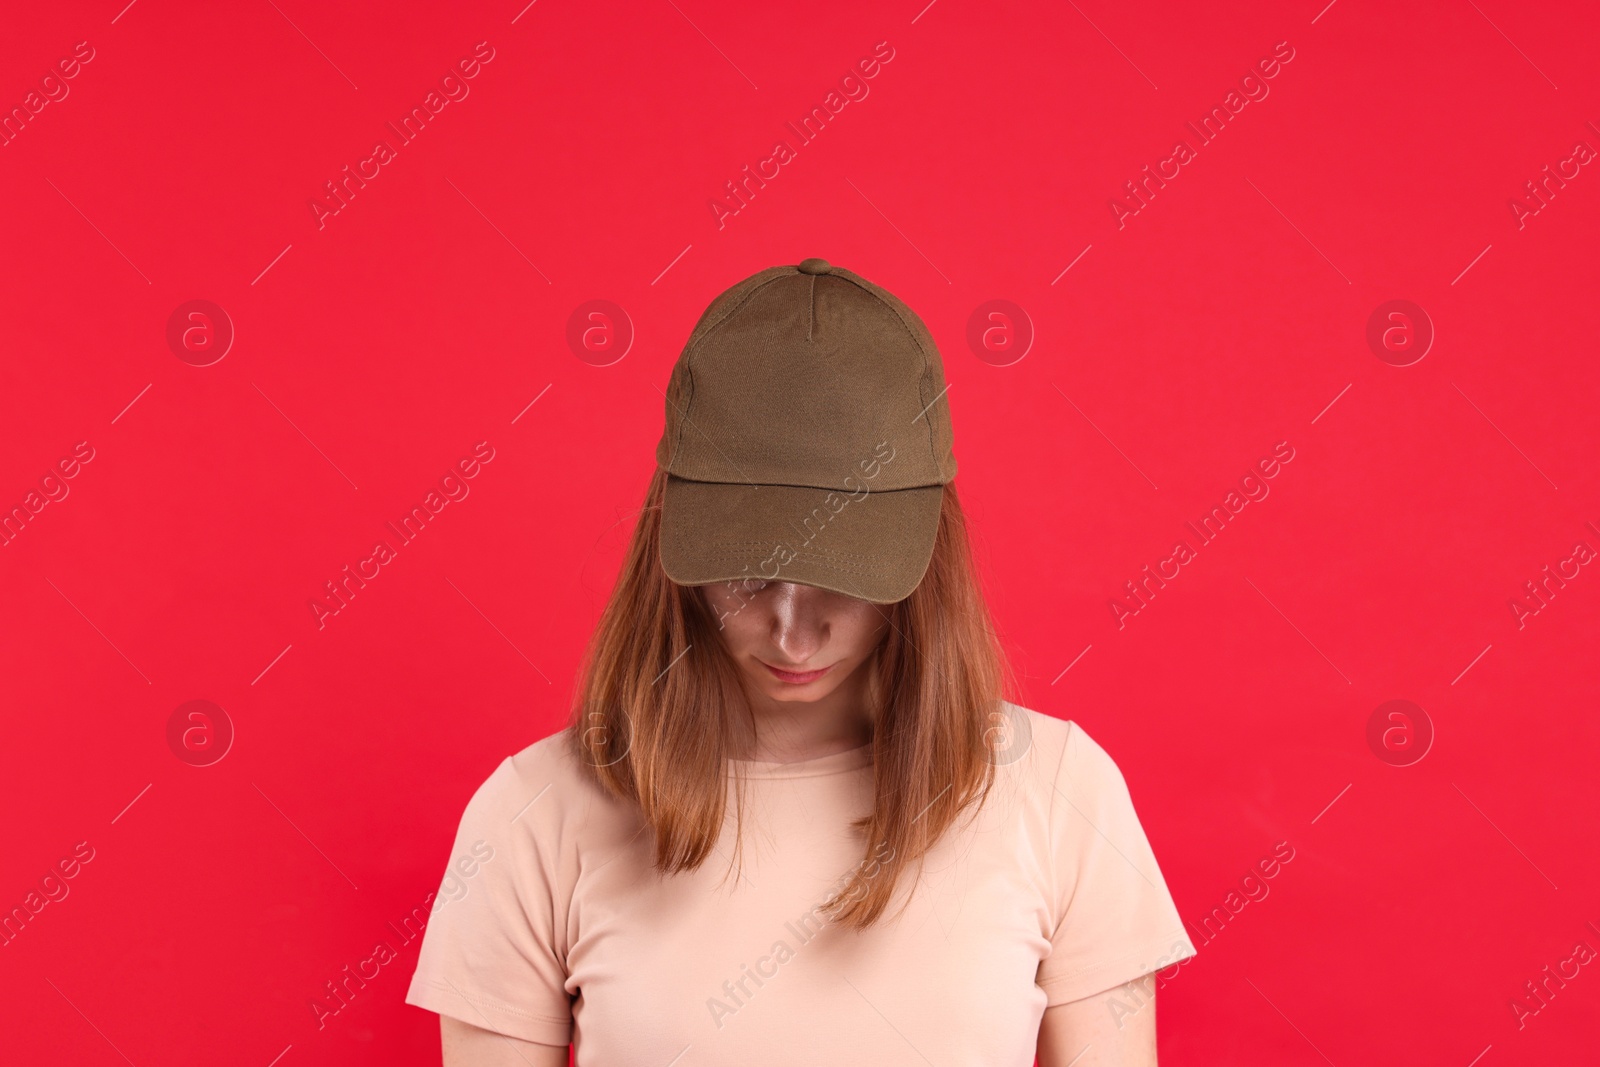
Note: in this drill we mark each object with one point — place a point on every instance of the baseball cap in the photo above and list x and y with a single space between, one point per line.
807 438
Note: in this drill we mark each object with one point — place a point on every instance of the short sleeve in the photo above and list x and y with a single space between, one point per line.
1114 918
491 955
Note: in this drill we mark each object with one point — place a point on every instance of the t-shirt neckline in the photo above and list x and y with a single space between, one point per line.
833 763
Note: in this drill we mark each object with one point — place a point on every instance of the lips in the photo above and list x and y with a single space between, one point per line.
796 677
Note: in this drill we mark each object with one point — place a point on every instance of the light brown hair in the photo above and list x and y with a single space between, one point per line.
656 692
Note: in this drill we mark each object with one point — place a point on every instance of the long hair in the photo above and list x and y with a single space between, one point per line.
657 692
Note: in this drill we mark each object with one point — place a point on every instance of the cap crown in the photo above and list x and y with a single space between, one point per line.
794 378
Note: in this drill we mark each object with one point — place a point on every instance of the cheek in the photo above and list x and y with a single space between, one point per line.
742 627
862 631
722 601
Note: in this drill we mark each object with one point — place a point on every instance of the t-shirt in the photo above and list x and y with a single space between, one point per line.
565 933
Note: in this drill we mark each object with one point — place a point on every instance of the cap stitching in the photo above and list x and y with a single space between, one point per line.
843 490
832 565
769 540
818 551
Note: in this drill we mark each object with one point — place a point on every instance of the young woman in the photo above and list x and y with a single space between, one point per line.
795 817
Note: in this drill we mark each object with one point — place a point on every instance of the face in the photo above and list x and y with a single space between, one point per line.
795 642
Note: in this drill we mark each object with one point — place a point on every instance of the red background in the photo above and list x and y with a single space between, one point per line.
372 354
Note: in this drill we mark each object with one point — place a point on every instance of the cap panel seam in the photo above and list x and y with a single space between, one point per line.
876 294
811 322
694 345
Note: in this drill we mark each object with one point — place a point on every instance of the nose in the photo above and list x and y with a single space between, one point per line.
799 626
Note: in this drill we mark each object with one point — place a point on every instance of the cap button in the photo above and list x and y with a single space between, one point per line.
814 266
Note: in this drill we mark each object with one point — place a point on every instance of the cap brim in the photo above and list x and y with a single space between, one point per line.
871 545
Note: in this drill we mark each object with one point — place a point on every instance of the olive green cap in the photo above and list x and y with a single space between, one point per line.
807 438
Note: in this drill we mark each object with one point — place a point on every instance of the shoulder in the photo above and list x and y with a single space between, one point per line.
540 786
1043 740
538 765
1061 754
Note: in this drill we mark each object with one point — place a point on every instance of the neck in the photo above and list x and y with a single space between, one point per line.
786 731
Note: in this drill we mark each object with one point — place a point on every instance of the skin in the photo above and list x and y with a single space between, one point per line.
466 1045
801 628
1085 1033
798 628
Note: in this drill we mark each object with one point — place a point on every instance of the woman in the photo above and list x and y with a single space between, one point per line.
794 818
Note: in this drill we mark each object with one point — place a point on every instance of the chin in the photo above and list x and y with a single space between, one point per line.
799 694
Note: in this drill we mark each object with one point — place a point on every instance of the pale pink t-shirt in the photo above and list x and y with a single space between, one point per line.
566 934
